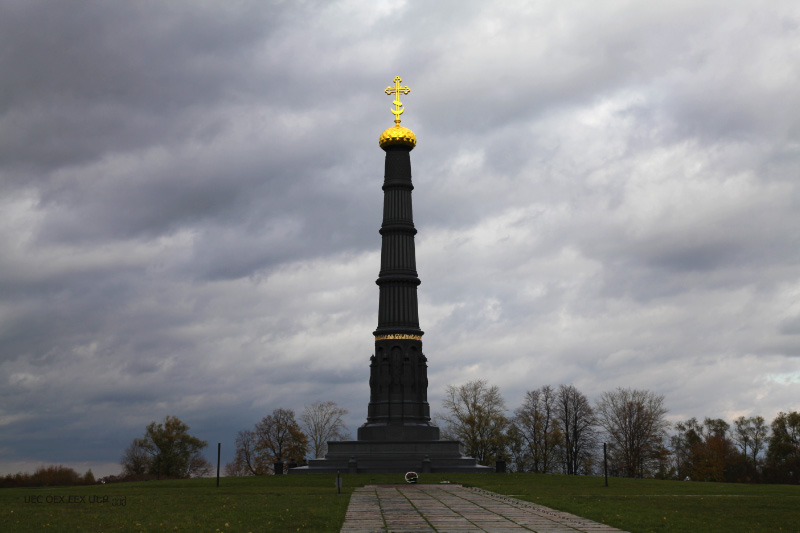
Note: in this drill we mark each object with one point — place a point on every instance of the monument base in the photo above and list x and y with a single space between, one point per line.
378 431
399 457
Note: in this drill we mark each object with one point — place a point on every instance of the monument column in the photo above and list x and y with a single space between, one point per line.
398 408
398 435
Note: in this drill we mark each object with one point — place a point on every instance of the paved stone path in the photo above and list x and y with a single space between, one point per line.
445 508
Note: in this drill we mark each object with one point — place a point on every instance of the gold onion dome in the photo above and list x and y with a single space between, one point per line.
397 135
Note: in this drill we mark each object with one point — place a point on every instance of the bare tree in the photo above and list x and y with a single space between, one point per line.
635 424
246 462
234 469
445 432
199 466
322 422
475 416
536 421
135 461
576 418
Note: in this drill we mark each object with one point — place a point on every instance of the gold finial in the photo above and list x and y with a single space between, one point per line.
397 91
397 134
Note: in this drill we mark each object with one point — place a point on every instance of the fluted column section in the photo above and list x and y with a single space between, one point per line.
398 281
398 408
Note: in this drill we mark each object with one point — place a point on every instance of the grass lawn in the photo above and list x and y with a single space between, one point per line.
269 503
641 505
311 503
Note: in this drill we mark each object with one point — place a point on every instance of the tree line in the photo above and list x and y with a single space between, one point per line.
279 441
557 430
554 430
48 476
167 450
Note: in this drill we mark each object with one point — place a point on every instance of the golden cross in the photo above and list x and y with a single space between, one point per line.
397 91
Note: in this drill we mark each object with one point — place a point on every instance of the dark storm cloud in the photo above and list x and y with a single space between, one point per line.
160 84
89 79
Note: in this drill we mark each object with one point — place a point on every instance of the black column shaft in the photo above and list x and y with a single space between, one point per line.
398 408
398 281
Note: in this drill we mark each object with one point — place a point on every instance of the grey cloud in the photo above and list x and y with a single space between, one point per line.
605 196
98 78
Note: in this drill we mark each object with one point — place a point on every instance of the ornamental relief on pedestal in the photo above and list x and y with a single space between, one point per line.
398 369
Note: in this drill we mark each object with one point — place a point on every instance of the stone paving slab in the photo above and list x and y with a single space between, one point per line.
456 509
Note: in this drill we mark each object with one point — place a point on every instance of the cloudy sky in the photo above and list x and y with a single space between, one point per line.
190 194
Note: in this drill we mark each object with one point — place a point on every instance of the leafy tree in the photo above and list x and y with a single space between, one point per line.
258 450
684 443
517 450
635 424
169 449
577 422
714 458
783 452
88 477
279 438
322 422
706 452
537 424
475 416
276 439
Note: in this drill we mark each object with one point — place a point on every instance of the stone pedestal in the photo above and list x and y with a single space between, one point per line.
399 432
396 457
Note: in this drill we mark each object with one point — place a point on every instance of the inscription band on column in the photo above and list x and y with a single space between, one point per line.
398 336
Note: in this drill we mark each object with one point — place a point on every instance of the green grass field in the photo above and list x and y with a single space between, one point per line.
641 505
311 503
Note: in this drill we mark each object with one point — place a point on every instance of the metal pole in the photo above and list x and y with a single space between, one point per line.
219 449
605 463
